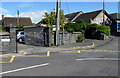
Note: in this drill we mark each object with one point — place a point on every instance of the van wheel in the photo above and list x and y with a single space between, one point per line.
20 40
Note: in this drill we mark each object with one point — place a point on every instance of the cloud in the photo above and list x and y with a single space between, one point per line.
7 15
3 10
35 16
28 4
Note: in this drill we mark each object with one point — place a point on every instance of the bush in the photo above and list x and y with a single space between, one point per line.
80 26
105 29
80 38
2 28
95 27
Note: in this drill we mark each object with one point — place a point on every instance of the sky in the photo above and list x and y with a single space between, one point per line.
36 10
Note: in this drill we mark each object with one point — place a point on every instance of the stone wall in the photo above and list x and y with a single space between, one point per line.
67 39
4 46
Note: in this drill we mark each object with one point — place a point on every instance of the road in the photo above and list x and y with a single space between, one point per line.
98 61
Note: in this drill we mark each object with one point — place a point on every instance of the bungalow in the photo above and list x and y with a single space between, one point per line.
91 17
6 21
116 25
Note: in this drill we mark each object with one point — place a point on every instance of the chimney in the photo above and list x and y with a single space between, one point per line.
2 17
2 20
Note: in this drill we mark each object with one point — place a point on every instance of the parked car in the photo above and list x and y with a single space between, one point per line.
20 36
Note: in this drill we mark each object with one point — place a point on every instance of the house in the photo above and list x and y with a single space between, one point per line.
116 22
71 17
6 21
91 17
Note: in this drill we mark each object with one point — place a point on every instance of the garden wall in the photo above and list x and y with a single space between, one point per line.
66 39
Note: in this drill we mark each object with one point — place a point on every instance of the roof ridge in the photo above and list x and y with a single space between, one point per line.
92 12
74 13
114 13
16 17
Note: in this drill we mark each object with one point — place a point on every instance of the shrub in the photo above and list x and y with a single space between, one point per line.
80 26
105 29
2 28
80 38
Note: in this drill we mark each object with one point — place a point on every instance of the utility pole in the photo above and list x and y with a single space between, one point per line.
57 40
18 17
103 13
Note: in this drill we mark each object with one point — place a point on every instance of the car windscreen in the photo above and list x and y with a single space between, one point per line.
22 33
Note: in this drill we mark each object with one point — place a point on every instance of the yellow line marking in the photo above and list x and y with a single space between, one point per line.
68 52
12 59
98 51
48 53
33 56
78 51
24 52
5 62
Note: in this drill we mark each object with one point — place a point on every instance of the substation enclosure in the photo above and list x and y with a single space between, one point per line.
36 35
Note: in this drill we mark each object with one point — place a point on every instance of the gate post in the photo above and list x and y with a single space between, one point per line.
13 42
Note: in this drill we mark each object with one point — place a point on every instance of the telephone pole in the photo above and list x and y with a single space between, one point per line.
57 39
103 13
18 17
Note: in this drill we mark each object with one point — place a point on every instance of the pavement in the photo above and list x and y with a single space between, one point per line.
88 43
100 60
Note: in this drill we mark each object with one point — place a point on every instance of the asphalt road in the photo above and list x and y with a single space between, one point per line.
86 63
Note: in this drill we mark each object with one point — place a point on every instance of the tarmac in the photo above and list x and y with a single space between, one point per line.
88 43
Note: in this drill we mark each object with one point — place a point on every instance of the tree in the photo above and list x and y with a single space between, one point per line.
50 18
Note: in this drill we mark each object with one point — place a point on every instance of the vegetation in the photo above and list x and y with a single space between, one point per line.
80 38
2 29
50 18
80 26
105 29
87 30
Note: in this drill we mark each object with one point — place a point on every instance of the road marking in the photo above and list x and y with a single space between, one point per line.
98 51
67 52
32 56
83 59
48 53
12 59
5 62
16 70
24 52
78 51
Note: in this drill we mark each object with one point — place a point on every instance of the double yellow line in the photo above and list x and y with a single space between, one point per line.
98 51
13 57
78 51
10 61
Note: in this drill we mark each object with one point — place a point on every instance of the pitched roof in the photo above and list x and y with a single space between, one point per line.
72 15
88 16
13 21
115 15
